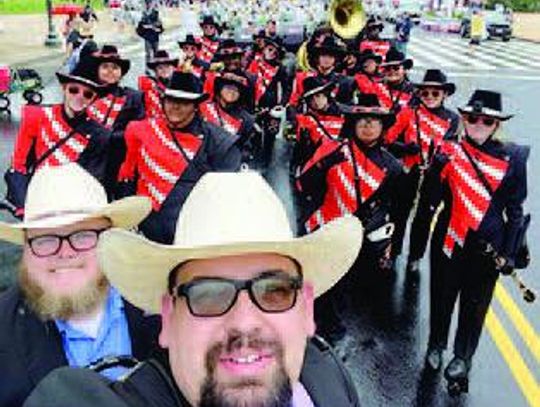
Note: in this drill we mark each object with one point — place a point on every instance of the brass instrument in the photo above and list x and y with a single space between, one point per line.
347 17
302 60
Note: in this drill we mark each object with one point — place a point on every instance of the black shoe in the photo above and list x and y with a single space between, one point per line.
413 266
457 374
434 359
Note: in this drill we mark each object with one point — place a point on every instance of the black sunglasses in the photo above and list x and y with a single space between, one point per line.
391 67
271 292
487 121
435 93
86 93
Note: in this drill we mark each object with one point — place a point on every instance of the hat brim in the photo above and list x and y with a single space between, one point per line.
363 58
183 95
124 64
67 78
337 52
195 44
124 213
169 61
449 88
407 63
139 268
324 88
485 112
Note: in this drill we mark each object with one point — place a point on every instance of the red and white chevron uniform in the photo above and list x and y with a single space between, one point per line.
152 90
342 192
106 110
379 47
265 73
298 87
216 115
470 198
389 97
43 127
153 155
331 123
208 49
430 135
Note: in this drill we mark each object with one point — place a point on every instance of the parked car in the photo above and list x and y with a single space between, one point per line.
497 25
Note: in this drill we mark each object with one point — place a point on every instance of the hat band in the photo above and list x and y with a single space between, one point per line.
55 214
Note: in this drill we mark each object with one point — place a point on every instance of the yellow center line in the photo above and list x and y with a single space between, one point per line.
520 371
520 322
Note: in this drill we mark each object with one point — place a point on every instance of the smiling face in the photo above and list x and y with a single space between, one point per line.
432 97
164 71
209 30
370 66
479 127
189 51
368 130
327 63
246 356
77 97
65 283
394 73
179 112
109 73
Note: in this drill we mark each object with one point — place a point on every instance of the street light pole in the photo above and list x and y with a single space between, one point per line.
52 39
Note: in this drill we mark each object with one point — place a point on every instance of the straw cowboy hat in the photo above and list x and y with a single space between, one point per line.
227 214
63 195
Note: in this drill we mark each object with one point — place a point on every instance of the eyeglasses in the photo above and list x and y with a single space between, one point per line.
49 245
271 292
367 121
435 93
86 93
487 121
394 68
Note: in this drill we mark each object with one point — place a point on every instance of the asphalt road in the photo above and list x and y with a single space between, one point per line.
387 318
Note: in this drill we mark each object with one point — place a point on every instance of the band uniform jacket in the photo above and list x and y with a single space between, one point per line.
472 213
393 97
343 91
31 348
426 128
42 127
209 47
351 179
272 85
152 89
165 165
115 111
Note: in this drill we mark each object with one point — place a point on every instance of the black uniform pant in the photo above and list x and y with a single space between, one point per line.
405 205
421 225
471 276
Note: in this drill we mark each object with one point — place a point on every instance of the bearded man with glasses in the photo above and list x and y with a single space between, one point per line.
236 294
59 134
63 310
418 133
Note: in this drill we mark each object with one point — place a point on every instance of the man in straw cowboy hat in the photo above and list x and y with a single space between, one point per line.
63 310
236 297
167 155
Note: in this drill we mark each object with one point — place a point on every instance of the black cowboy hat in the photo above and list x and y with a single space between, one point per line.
230 78
161 57
395 57
276 42
227 49
189 40
84 73
367 55
209 20
374 22
367 105
109 53
485 103
261 34
329 46
185 86
314 85
435 78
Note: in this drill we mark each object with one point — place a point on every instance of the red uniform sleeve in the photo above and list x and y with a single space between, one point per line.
403 121
363 83
298 89
208 86
128 169
145 83
28 132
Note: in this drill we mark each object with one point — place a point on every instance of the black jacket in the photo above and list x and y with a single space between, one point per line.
151 385
31 348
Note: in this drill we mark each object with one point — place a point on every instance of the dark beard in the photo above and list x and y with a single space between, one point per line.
214 394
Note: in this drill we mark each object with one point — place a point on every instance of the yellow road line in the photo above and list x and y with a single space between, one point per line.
522 325
520 371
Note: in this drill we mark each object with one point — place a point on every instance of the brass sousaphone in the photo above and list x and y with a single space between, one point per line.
347 18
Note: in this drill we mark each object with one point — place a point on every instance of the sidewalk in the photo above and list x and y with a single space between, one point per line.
22 36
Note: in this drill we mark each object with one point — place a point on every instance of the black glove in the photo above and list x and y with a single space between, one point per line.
399 149
125 188
412 148
330 160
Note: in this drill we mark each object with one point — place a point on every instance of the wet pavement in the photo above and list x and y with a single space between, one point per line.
387 316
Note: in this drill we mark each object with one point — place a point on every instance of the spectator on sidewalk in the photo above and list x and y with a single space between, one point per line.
150 28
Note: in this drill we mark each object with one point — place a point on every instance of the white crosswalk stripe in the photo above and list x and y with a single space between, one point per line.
454 53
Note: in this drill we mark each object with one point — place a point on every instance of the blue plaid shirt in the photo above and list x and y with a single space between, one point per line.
112 338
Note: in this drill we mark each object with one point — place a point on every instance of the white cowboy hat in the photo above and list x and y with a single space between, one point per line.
227 214
63 195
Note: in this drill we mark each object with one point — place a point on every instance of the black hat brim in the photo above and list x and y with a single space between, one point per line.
326 88
196 98
67 78
485 112
124 64
407 63
449 88
195 44
170 61
337 52
363 58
